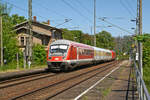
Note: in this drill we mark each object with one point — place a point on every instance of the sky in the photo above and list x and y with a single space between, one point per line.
117 12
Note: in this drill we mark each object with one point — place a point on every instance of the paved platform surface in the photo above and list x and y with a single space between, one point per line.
124 87
120 85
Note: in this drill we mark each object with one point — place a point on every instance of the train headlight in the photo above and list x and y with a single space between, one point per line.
49 57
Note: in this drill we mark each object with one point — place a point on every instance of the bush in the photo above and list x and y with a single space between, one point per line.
39 54
146 60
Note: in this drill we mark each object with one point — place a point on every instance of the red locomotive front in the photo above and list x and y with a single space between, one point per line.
65 55
57 54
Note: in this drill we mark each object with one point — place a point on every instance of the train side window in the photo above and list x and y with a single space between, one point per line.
80 51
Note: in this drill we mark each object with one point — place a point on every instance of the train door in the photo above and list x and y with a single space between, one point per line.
73 53
77 53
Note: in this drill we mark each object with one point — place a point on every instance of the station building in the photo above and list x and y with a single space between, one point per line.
43 33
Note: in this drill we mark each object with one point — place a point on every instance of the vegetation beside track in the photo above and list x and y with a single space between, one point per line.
39 60
146 60
145 39
11 68
104 40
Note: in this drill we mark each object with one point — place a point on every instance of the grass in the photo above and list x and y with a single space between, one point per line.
13 67
8 67
106 91
84 98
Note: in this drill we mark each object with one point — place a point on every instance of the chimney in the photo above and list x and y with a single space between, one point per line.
34 18
48 22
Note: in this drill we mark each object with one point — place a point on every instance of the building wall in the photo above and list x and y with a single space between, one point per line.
43 35
22 35
35 40
42 30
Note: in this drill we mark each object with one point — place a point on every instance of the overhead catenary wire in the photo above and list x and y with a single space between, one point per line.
22 9
77 11
25 10
129 5
50 10
116 26
128 10
86 9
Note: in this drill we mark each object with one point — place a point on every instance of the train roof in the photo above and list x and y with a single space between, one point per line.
68 42
62 41
101 49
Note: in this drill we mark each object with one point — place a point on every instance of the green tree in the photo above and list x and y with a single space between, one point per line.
67 35
10 47
105 40
77 35
88 39
123 45
39 54
4 9
145 39
16 19
9 40
146 59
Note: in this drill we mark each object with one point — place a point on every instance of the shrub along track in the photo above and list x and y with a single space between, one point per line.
49 87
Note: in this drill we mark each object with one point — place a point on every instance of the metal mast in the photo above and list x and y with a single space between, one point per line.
95 23
140 33
30 31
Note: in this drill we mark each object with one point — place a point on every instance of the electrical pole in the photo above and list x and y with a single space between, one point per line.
137 30
30 31
1 37
92 42
140 52
140 33
95 23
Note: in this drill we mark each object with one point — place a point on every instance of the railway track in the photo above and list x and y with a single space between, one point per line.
21 80
64 84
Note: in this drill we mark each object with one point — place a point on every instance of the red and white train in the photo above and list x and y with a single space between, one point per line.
65 55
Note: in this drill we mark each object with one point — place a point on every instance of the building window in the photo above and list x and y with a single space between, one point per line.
22 41
43 41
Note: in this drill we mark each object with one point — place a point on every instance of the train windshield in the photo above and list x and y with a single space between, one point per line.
59 48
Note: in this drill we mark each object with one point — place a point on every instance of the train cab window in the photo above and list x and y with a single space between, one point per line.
58 48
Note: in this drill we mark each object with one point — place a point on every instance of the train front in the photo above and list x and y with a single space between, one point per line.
56 56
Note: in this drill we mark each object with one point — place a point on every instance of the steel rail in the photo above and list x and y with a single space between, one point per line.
25 81
49 97
20 75
20 78
57 83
